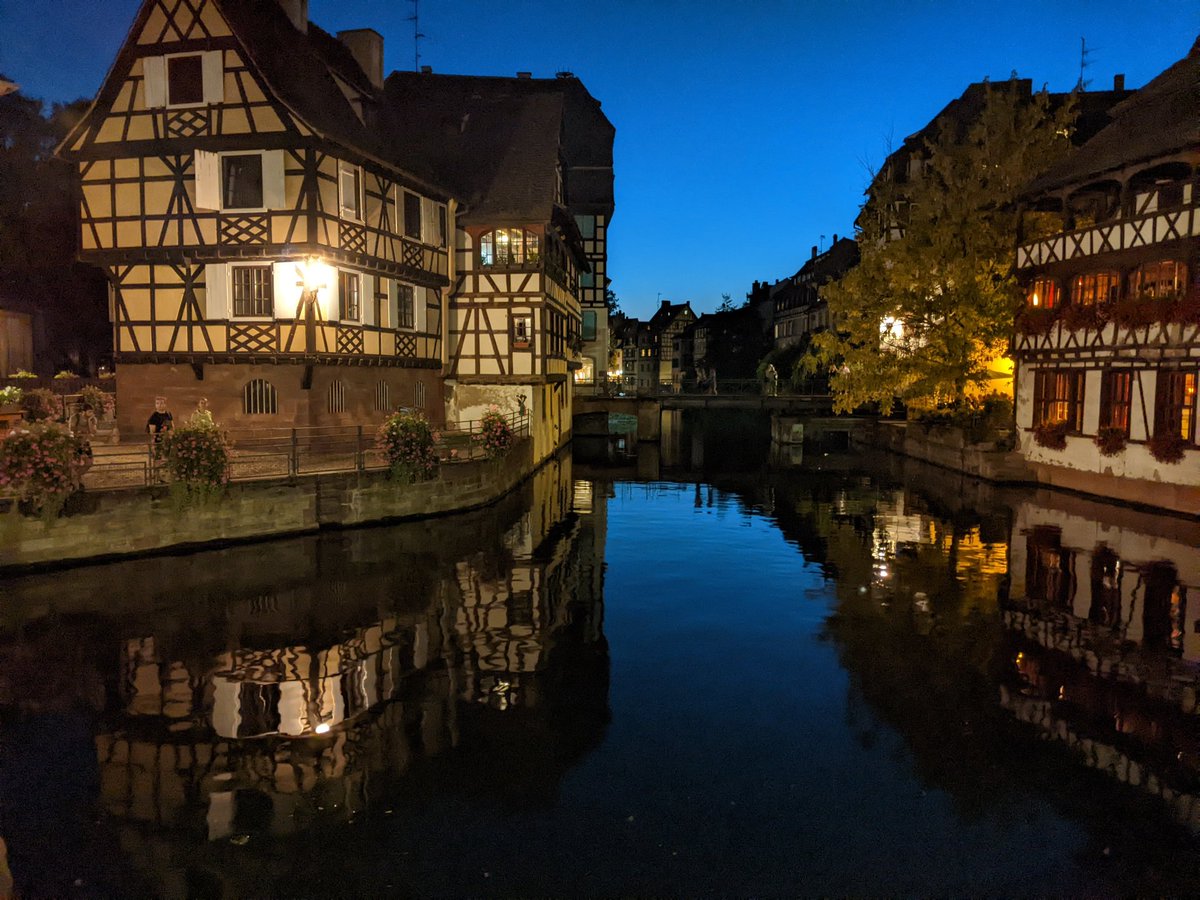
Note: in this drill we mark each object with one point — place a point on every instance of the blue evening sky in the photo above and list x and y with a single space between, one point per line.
745 130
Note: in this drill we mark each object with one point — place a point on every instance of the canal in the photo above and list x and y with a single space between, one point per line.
706 667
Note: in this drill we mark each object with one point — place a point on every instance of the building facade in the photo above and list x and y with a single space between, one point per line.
1108 342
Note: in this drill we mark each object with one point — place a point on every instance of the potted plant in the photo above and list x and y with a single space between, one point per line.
407 441
1111 440
1167 447
495 434
43 465
1051 435
196 456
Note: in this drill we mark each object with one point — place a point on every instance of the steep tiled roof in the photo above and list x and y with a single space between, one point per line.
1161 119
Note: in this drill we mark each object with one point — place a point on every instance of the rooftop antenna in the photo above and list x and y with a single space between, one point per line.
1084 53
415 18
822 244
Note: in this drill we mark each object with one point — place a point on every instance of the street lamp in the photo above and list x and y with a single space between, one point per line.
311 283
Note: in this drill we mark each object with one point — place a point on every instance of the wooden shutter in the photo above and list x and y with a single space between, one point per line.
217 297
213 69
208 180
154 81
366 300
429 222
273 183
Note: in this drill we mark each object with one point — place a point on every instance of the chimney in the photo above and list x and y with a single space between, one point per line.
814 252
426 70
366 46
564 74
834 240
1119 82
297 11
524 74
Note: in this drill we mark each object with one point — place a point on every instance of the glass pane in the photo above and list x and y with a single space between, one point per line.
242 182
185 80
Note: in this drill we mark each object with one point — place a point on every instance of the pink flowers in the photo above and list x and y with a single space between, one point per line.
495 434
197 456
407 440
43 465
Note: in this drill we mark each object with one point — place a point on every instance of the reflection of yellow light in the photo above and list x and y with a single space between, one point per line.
323 728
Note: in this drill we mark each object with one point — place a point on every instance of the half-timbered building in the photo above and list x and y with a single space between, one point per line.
1108 344
531 161
265 246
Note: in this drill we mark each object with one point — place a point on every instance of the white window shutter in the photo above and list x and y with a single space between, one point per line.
216 291
368 300
386 319
393 302
286 290
424 297
273 186
429 221
154 81
213 68
208 180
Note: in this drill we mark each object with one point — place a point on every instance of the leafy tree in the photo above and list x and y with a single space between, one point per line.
614 304
726 304
928 309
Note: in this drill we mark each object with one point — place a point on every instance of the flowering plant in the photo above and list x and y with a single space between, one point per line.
1111 440
10 395
495 434
64 374
40 404
43 465
1051 435
22 373
1036 321
196 455
1167 446
103 402
407 440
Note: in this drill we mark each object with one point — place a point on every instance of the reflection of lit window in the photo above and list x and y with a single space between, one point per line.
1043 294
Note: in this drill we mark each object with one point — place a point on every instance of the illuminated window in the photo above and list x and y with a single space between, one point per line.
522 332
242 181
509 247
1058 397
1116 399
1175 404
349 296
1163 279
259 398
185 80
1043 294
1096 287
252 287
587 374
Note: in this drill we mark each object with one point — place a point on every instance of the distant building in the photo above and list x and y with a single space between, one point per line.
798 309
659 360
1108 344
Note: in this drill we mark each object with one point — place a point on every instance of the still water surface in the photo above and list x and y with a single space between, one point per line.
828 675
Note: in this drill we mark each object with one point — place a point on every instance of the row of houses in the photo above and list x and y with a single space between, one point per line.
304 242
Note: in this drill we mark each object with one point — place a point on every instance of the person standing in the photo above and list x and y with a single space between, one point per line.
159 423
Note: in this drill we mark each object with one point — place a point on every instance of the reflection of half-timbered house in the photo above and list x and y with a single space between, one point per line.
1108 345
531 160
265 246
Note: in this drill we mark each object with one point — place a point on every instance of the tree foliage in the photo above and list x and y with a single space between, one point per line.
931 303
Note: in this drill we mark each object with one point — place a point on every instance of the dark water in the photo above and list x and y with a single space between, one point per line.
710 670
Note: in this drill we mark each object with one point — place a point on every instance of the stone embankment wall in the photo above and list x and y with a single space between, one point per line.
103 524
947 447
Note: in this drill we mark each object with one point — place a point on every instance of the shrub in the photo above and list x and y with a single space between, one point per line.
407 441
41 404
64 374
196 456
495 434
1110 440
1137 312
43 465
1166 447
104 403
1051 435
1078 316
22 373
10 395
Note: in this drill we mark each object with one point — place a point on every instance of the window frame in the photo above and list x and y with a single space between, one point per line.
193 104
265 394
1116 406
408 223
269 281
1054 294
1181 279
489 242
344 275
521 331
1071 397
1176 414
1079 282
403 322
222 158
354 214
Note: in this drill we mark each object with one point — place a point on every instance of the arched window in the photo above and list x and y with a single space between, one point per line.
1157 280
509 247
337 396
1042 294
1095 287
383 397
259 398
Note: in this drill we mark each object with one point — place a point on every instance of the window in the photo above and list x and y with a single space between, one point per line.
405 306
350 192
420 398
242 181
337 397
1163 279
589 325
383 397
259 398
412 216
349 296
1175 404
509 247
252 291
586 374
1096 287
1043 293
1058 397
1116 398
185 80
522 332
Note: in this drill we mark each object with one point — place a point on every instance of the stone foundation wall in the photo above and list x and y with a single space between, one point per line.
99 524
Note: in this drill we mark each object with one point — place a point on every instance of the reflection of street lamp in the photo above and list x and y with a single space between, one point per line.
311 283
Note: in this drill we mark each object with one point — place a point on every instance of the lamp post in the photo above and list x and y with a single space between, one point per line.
310 285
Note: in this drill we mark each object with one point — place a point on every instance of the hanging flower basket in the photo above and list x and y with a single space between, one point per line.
1051 435
407 441
1111 440
1080 317
495 434
42 465
1167 447
196 456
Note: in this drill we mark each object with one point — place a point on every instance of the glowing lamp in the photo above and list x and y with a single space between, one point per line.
323 728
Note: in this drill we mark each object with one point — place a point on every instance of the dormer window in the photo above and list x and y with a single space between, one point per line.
509 247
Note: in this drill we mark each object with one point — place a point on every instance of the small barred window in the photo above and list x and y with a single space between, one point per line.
420 395
383 393
337 397
259 398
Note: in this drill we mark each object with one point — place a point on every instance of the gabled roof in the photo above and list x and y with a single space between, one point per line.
667 313
1161 119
